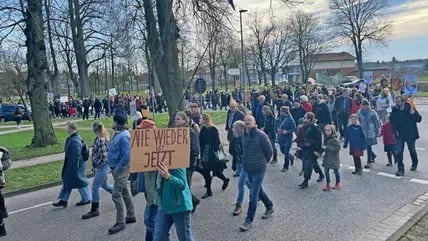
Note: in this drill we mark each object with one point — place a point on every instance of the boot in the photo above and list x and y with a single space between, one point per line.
94 212
195 202
304 184
2 230
337 186
389 155
60 203
326 188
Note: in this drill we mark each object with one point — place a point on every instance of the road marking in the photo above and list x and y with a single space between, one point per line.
353 168
419 181
388 175
420 149
29 208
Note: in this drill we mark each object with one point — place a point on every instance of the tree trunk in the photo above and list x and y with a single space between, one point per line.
164 52
79 46
359 53
36 81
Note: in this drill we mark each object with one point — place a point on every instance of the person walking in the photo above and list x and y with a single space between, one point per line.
354 136
384 105
321 111
312 146
97 106
175 204
18 117
74 170
233 115
99 167
331 158
342 107
404 119
369 122
118 159
209 141
86 106
238 133
389 140
269 127
257 152
286 129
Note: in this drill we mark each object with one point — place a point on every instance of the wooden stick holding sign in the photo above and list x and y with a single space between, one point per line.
151 146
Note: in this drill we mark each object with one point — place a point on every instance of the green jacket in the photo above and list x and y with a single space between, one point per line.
174 194
331 153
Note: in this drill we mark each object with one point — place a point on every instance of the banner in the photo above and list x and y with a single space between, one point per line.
410 85
63 99
323 79
112 92
133 109
151 146
368 77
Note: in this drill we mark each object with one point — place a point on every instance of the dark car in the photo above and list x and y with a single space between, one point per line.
7 113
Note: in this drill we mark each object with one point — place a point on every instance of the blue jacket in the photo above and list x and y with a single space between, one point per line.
257 151
287 123
73 171
174 194
354 135
120 151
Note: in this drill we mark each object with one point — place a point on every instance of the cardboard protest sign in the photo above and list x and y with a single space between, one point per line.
168 145
368 77
63 99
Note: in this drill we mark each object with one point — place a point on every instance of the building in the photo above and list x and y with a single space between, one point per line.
332 63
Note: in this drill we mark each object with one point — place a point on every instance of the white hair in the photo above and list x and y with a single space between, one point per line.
304 98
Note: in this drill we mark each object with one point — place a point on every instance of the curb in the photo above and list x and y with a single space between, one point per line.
36 188
409 224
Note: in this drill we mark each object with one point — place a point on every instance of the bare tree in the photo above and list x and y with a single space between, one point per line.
361 21
260 35
310 38
52 76
37 77
279 50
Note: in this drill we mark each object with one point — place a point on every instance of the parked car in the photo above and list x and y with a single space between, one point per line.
7 112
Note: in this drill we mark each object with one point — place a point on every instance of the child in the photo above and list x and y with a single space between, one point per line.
354 135
389 140
331 156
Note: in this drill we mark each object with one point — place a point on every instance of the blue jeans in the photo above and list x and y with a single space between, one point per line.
327 175
399 153
285 149
370 154
243 180
256 192
85 194
100 180
150 217
163 223
272 142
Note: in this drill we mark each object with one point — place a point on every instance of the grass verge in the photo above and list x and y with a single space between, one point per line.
41 174
18 143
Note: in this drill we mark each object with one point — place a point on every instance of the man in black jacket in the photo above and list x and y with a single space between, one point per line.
342 107
321 111
403 121
97 105
233 115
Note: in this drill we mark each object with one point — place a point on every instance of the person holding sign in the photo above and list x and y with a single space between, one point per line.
118 158
209 141
174 204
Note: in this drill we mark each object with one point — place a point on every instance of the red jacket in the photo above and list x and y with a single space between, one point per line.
387 134
307 106
355 107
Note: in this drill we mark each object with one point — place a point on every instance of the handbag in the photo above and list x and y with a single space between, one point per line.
221 155
6 162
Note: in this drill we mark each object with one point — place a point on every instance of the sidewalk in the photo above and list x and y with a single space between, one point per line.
30 127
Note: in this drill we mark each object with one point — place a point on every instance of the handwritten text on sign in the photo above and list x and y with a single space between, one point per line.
151 146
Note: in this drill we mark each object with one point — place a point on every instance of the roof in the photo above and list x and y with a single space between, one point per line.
335 57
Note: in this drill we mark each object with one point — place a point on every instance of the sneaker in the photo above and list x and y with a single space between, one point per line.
245 226
129 220
196 202
367 166
303 185
326 188
268 213
91 214
399 173
237 210
225 184
82 203
116 228
274 162
321 178
60 203
284 170
413 169
337 186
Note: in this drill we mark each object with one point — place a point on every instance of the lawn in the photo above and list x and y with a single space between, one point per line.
18 143
423 78
41 174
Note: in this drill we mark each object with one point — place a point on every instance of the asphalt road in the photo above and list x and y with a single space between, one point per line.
302 215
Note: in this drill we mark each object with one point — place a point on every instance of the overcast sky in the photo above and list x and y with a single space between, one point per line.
409 38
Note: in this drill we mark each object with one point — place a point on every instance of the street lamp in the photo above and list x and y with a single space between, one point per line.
242 82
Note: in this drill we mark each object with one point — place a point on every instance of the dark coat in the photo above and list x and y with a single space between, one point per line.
287 123
257 151
312 140
297 113
322 113
209 141
404 123
340 108
331 153
354 135
237 116
270 126
73 172
194 149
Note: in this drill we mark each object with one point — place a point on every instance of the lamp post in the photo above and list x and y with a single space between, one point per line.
242 83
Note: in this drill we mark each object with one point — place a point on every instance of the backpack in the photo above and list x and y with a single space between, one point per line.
6 162
85 151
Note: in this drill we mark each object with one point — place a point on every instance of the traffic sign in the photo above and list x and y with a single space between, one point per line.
233 71
200 85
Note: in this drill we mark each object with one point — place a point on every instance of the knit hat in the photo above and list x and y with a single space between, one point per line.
147 124
120 120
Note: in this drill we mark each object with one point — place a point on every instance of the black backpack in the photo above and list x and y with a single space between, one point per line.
85 151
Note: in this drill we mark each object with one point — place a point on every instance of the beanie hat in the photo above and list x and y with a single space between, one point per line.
147 124
120 120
